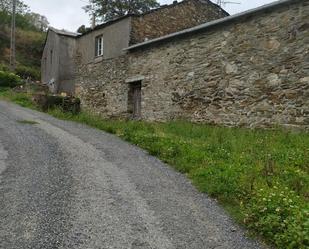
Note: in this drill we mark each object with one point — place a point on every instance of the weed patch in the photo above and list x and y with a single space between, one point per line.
27 122
22 99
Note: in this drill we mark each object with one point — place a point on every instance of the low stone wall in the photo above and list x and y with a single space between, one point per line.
252 72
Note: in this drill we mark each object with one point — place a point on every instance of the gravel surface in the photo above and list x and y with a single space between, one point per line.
65 185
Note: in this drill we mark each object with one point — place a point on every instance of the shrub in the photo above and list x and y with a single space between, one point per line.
27 72
9 79
4 68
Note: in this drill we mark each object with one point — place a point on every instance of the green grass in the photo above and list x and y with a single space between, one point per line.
261 177
22 99
27 122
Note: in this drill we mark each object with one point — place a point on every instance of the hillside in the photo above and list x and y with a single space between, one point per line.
29 42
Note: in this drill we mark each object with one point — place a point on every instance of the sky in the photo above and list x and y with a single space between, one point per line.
69 15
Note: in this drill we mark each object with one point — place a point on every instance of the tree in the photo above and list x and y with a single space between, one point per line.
25 19
21 8
21 11
39 21
83 29
44 23
106 10
5 5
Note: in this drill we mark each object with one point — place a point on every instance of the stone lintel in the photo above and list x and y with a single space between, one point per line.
135 78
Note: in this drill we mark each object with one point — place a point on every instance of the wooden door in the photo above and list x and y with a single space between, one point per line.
137 99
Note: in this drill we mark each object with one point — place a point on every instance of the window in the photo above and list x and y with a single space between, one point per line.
99 46
45 64
51 57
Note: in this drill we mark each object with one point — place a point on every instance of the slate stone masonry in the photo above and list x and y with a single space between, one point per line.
252 72
171 18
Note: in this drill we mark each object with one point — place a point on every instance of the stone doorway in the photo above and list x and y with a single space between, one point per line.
135 99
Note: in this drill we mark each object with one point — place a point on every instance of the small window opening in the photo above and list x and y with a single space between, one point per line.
51 57
45 63
135 99
99 46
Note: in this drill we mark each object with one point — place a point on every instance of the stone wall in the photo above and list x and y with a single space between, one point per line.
251 72
172 18
101 87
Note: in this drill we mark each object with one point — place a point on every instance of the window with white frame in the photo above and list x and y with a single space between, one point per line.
99 46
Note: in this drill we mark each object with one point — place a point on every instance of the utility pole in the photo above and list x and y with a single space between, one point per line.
13 37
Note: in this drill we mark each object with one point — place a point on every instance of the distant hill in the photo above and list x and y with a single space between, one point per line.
30 37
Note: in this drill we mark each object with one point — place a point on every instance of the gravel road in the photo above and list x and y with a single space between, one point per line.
65 185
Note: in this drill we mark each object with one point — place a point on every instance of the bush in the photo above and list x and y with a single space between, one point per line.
27 72
9 79
4 68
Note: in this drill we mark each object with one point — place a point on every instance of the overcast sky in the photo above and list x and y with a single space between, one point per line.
69 15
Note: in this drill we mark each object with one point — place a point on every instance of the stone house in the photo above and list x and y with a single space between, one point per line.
109 40
250 69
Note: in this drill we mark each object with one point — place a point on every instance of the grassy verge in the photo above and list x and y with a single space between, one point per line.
21 99
260 176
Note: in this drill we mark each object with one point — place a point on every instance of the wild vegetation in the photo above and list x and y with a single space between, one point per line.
261 177
8 79
106 10
30 37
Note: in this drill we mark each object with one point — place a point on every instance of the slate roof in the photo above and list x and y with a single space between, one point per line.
64 32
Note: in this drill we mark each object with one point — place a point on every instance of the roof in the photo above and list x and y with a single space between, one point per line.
209 25
64 32
103 25
60 32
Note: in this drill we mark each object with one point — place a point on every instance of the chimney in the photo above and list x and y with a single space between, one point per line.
93 21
